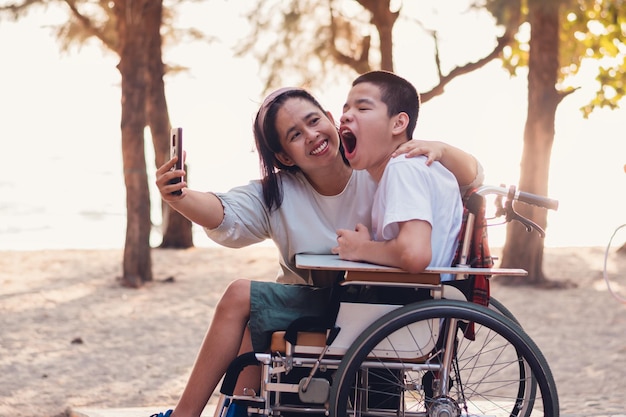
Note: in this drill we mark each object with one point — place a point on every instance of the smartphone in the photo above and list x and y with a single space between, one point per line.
176 149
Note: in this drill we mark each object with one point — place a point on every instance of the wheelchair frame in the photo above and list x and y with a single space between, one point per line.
441 368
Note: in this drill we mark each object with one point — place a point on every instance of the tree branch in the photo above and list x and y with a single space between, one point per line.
565 93
437 56
17 10
360 64
437 90
90 28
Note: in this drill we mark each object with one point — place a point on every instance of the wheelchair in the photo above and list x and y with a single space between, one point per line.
458 352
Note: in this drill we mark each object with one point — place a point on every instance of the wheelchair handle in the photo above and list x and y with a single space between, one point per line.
523 196
537 200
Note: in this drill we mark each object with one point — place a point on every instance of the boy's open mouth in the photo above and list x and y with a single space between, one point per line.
349 140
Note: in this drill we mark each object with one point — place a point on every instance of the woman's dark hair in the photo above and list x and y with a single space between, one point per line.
268 144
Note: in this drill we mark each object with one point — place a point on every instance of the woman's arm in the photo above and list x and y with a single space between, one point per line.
201 208
465 167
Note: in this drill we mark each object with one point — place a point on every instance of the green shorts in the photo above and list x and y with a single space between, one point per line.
274 306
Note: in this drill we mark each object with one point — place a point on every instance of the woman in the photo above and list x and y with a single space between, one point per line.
308 191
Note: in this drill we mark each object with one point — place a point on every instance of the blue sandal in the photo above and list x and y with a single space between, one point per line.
168 413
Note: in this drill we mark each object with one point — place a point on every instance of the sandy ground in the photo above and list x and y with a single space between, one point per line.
72 337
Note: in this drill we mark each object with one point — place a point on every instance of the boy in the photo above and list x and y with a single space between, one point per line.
417 210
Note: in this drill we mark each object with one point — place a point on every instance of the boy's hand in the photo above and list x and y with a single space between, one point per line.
349 242
432 150
164 175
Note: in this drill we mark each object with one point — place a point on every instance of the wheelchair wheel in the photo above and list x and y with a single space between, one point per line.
528 385
496 305
490 375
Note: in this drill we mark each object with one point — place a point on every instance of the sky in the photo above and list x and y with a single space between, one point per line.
60 114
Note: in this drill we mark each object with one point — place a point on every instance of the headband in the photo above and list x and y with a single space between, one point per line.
267 103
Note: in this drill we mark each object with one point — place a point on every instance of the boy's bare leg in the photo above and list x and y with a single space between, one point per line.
219 348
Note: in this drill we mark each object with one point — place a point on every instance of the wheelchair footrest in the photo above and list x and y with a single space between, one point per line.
317 391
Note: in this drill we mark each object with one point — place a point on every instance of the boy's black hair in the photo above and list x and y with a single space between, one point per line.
397 93
268 144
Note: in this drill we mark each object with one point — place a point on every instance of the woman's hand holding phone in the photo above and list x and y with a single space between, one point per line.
176 151
170 176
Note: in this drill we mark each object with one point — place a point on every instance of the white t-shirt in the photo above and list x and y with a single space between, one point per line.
306 222
410 190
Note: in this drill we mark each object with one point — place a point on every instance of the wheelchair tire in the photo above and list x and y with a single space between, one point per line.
528 385
491 375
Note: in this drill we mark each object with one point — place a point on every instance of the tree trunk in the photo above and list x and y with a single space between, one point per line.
137 265
176 228
523 249
384 20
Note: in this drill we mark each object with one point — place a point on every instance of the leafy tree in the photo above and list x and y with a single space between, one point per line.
563 34
132 30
